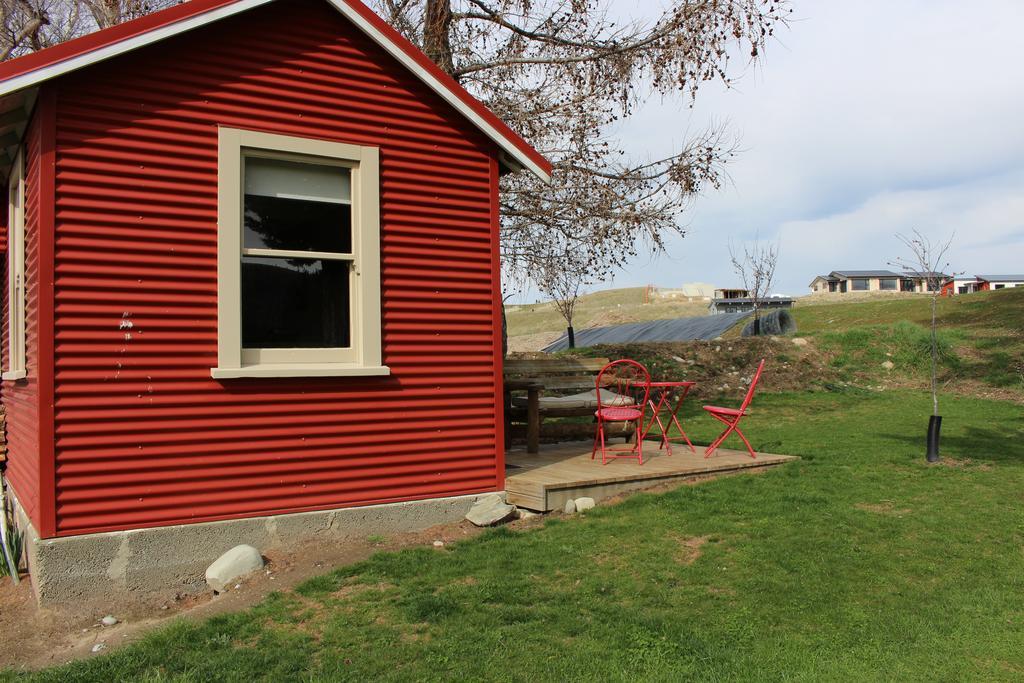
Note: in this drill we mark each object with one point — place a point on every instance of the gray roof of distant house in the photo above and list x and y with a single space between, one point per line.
923 273
864 273
1001 278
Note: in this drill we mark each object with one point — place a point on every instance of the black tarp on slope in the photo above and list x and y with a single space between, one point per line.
677 329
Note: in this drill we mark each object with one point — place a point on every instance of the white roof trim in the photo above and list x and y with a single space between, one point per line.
127 45
147 38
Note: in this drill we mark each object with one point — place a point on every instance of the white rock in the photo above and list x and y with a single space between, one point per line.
108 620
490 510
570 507
888 365
99 646
584 504
526 514
235 563
799 341
438 544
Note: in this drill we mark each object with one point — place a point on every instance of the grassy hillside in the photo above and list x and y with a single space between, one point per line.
880 343
981 339
609 307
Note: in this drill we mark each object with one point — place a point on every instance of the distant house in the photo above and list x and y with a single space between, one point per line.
698 290
746 304
989 282
981 283
845 281
733 293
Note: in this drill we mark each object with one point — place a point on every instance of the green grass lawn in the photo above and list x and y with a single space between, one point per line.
859 562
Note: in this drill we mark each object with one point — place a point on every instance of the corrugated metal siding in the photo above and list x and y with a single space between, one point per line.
144 435
21 397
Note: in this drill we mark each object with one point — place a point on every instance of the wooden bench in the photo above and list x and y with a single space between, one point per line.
548 378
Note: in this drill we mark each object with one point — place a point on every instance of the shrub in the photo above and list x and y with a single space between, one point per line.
15 545
907 345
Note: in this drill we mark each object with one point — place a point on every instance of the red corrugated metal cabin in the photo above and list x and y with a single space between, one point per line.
260 270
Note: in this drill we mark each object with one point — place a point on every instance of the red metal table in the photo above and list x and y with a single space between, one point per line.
664 392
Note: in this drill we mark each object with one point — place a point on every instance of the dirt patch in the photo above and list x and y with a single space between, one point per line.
690 549
354 589
725 367
525 343
886 507
961 463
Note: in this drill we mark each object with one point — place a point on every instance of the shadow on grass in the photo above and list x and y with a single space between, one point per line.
1000 443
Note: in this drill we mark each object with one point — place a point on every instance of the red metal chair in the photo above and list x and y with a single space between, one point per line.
730 417
632 384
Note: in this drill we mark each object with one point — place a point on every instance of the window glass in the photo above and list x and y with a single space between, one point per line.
295 303
858 285
297 207
887 283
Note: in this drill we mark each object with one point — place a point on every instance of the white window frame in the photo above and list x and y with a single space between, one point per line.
16 271
363 358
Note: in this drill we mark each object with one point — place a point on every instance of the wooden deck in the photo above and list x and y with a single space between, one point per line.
546 480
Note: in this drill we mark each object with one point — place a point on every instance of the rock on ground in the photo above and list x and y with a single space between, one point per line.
584 504
109 620
570 506
490 510
235 563
888 365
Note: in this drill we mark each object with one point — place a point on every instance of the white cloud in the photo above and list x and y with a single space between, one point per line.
986 219
867 119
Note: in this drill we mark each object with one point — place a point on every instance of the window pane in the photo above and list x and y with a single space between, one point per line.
300 207
887 283
295 303
297 180
858 285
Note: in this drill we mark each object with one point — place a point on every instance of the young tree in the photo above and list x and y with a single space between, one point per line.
563 280
927 260
755 265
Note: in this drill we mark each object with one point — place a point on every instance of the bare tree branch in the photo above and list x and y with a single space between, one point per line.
927 260
755 265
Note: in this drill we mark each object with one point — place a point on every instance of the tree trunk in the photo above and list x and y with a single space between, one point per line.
436 40
935 361
504 332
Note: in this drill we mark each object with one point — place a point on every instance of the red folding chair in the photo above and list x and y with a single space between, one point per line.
627 403
730 417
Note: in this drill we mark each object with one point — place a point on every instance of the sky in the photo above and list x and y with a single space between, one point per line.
863 120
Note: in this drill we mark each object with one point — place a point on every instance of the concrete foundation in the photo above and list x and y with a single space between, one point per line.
162 562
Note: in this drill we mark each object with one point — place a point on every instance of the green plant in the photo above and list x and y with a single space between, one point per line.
15 546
